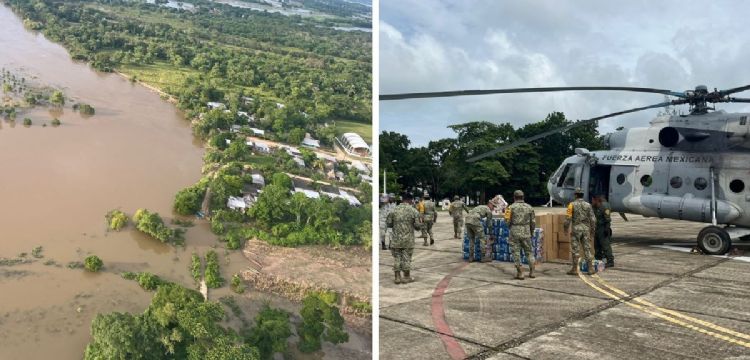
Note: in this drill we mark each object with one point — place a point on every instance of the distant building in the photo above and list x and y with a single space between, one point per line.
240 203
262 147
258 179
300 162
354 144
308 141
247 99
215 105
235 128
361 167
258 132
311 194
280 106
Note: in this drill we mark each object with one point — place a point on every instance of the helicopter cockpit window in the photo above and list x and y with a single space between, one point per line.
675 182
700 183
563 175
621 179
646 180
570 178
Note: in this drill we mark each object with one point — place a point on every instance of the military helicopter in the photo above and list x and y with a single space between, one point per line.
691 167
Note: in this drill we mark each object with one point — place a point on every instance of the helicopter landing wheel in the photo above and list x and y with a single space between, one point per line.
714 240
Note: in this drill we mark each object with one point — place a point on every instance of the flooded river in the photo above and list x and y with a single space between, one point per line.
57 183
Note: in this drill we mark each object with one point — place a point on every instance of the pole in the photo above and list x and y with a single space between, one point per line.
713 199
384 192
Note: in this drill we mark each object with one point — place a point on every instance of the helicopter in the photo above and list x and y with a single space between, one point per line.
691 167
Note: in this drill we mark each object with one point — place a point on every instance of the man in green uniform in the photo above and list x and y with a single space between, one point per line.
428 215
581 216
520 219
603 233
456 209
403 219
474 230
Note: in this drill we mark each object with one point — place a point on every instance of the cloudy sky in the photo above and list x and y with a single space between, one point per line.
443 45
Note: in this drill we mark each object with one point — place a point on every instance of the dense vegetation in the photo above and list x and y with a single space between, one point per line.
177 325
321 321
222 53
213 275
442 168
196 267
152 224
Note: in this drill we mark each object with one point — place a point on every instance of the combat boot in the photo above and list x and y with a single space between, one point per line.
574 269
611 263
519 272
407 277
531 270
383 246
592 267
432 241
397 279
425 241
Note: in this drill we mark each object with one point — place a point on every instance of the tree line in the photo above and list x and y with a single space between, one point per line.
442 168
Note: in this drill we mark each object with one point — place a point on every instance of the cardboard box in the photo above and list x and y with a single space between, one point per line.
563 252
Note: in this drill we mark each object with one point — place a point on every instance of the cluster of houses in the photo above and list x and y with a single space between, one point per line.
251 191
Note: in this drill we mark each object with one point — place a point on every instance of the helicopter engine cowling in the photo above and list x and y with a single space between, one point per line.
682 207
671 136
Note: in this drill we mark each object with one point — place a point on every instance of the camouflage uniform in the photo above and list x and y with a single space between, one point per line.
603 234
474 228
404 219
384 231
520 219
456 211
429 216
581 216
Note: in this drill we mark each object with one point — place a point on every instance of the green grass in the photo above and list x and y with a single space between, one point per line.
364 130
262 160
161 75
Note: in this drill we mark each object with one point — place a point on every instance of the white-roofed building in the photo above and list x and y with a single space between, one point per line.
365 178
361 167
263 147
354 144
353 201
258 132
326 157
309 193
308 141
235 128
215 105
300 162
258 179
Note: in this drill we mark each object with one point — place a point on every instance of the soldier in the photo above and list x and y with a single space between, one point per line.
404 219
474 229
455 210
520 219
428 216
386 207
603 233
581 215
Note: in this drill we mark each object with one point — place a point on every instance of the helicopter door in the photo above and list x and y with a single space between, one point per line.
599 180
621 186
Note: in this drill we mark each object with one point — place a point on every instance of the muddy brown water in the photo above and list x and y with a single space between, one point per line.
56 184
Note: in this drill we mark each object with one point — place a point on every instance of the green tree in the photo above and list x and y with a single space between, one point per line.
116 219
320 321
213 275
271 332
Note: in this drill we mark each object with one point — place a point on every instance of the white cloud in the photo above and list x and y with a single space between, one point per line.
484 44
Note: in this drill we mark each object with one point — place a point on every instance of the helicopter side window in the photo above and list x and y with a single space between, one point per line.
675 182
700 183
646 180
743 120
621 179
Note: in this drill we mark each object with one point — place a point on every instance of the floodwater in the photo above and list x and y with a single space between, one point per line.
56 185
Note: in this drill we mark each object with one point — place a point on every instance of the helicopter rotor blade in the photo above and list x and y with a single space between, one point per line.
423 95
738 100
734 90
568 127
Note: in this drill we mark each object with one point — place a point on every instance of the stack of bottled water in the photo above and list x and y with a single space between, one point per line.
598 264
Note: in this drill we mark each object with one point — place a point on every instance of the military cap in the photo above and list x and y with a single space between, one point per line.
579 190
518 193
455 197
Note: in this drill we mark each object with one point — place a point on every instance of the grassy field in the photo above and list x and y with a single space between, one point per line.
364 130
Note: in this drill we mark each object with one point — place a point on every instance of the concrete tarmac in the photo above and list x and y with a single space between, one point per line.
657 303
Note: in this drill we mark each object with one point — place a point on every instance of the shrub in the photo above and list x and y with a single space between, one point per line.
149 281
37 252
56 122
236 284
92 263
26 122
213 275
196 267
116 219
152 224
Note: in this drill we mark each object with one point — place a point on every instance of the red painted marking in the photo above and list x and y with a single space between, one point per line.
452 346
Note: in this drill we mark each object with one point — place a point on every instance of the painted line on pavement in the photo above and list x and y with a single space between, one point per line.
656 313
452 346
